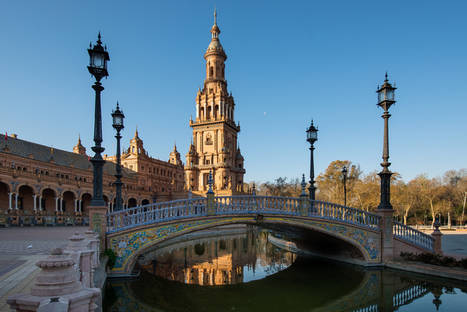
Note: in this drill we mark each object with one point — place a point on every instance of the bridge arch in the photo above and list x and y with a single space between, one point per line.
130 244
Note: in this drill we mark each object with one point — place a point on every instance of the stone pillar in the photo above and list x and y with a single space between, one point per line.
93 244
9 201
40 203
76 205
16 201
437 241
79 251
56 204
35 200
98 222
80 205
56 288
210 205
387 239
61 204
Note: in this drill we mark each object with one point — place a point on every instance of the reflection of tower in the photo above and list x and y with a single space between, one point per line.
208 261
214 147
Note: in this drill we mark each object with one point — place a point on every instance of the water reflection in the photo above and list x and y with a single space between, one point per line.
240 255
225 259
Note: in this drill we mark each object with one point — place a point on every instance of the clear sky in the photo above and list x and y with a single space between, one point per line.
288 62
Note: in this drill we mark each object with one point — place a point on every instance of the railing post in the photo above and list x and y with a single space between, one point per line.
437 239
304 205
211 208
387 239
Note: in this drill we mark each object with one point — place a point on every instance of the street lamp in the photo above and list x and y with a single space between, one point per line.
98 56
385 100
344 174
117 118
312 137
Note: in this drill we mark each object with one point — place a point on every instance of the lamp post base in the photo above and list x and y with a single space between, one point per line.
98 222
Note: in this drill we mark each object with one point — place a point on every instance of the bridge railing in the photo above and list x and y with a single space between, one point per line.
408 295
345 214
295 206
413 236
156 212
256 204
240 204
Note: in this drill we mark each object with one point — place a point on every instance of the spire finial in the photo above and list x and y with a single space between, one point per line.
136 131
99 38
79 139
118 106
386 76
215 16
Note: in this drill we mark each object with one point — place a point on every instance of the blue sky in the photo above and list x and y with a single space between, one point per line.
288 62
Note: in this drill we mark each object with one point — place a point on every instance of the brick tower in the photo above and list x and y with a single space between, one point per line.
214 146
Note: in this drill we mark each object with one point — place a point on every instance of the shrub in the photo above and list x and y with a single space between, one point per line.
434 259
112 258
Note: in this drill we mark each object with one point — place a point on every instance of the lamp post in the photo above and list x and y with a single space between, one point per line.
117 118
385 100
98 56
344 174
312 137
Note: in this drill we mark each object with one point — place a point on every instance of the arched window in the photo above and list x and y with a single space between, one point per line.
211 71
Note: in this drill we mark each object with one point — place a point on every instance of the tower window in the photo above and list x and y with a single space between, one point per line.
211 71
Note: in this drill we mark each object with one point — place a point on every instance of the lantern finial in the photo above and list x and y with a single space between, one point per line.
386 77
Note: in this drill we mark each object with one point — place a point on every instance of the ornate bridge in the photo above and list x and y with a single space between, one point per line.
132 231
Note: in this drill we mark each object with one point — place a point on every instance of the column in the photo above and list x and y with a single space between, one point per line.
76 205
61 204
80 205
56 204
40 203
35 199
16 201
9 201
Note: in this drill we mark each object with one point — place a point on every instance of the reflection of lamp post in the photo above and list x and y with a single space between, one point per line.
385 100
117 116
344 173
98 68
312 137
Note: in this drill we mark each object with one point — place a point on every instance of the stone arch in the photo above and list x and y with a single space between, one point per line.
132 202
48 200
130 244
106 200
26 198
4 196
85 202
68 202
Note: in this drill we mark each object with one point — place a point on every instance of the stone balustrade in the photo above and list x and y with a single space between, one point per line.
241 205
66 281
413 236
57 288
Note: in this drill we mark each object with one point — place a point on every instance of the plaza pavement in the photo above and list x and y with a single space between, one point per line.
20 249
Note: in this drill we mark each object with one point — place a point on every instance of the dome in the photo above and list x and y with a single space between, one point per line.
215 45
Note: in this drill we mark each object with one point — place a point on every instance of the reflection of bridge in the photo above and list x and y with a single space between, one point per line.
130 232
371 297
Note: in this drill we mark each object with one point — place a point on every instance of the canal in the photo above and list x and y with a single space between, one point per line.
254 269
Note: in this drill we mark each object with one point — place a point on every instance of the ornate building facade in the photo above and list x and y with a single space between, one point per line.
214 146
41 184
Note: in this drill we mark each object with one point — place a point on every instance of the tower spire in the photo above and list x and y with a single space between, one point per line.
215 16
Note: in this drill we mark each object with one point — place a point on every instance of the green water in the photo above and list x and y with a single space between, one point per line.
238 270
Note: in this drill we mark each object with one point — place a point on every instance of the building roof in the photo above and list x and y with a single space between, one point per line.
59 157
